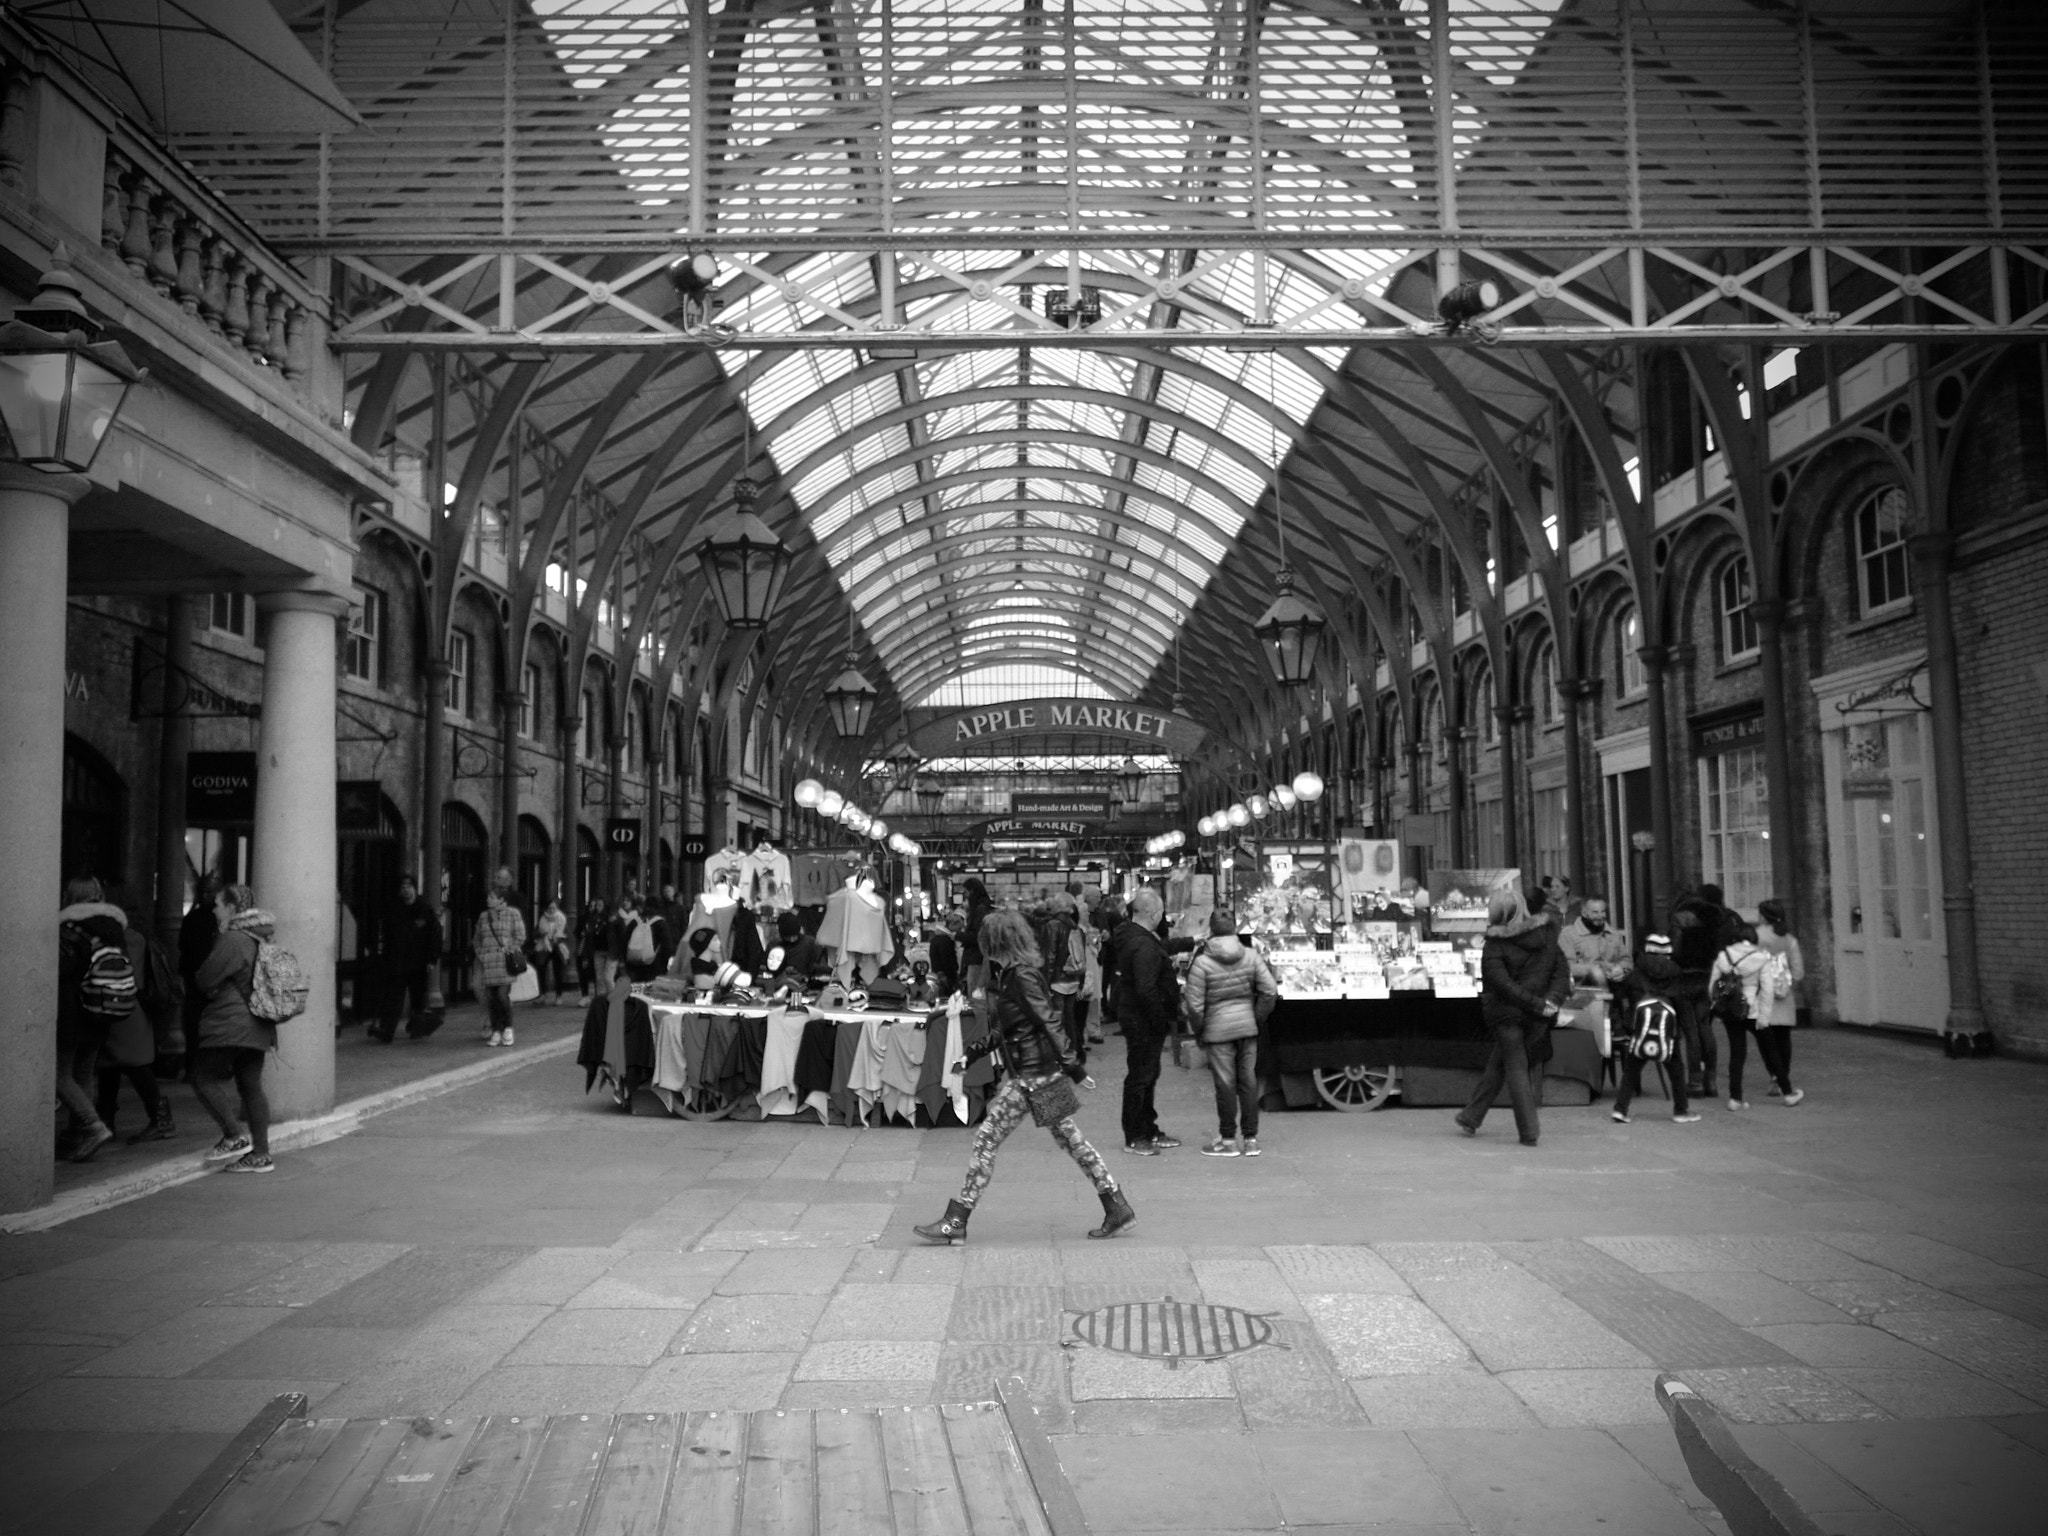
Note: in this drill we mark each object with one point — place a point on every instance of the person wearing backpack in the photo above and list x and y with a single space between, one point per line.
1740 990
639 939
95 991
1230 992
131 1050
500 943
232 1040
1774 1029
1658 980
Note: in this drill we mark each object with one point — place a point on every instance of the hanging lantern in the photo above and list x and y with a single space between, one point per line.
1308 786
60 386
851 698
808 793
1238 815
903 764
830 804
1130 779
1292 632
931 793
744 564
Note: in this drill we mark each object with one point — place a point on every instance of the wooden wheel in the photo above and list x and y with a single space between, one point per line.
700 1103
1355 1089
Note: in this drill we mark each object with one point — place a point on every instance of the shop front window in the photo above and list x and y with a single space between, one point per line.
1738 611
1735 826
1883 571
1628 634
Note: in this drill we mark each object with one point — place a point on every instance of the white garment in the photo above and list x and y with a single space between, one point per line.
727 867
766 881
954 1083
778 1063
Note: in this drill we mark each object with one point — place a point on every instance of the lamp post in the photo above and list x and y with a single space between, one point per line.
61 389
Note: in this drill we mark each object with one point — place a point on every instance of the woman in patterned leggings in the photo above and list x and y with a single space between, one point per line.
1035 1052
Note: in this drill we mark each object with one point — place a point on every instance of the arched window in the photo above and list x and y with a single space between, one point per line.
1628 639
1737 626
1548 711
1883 572
1488 722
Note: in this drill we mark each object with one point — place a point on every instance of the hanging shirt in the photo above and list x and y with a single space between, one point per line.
767 880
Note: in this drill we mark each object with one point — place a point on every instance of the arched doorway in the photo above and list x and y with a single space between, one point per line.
95 818
369 838
536 884
465 868
587 862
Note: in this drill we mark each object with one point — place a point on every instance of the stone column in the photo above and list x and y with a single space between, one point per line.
1785 885
35 528
295 863
1656 661
1573 691
173 748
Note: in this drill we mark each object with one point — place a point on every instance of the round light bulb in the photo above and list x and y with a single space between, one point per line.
831 803
1206 827
879 830
808 793
1284 796
1238 815
1309 786
1258 807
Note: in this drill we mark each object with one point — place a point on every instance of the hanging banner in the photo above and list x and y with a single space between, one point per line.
1367 864
1140 726
220 788
1065 807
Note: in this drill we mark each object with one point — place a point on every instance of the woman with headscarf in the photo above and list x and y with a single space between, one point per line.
1036 1053
1524 978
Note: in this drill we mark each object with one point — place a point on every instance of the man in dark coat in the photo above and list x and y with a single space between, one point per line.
415 937
1147 1003
1699 932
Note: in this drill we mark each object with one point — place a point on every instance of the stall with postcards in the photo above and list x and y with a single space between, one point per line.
1388 1003
820 1053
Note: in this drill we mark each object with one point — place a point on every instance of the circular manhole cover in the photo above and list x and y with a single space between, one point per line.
1173 1331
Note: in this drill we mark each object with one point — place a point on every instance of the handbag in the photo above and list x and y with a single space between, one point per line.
525 986
1053 1101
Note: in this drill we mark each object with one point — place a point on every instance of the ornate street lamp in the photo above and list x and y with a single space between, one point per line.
1292 633
1130 779
744 563
60 385
931 793
903 764
851 698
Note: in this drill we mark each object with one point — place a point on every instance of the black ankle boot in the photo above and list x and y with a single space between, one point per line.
162 1128
1117 1215
952 1228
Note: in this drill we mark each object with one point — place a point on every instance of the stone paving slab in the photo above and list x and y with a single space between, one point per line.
1293 1383
1011 1265
727 1325
1589 1399
1749 1299
1945 1479
407 1290
145 1405
552 1276
1180 1483
1255 1285
810 1270
1364 1477
1829 1345
321 1354
967 1371
859 1394
543 1390
313 1277
1935 1394
2007 1351
1099 1373
1326 1269
1543 1481
1371 1335
1940 1265
1781 1394
1874 1295
1006 1314
599 1336
896 1311
741 1383
430 1367
1454 1399
1516 1322
184 1343
870 1360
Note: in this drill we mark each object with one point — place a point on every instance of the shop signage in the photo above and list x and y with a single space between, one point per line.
622 834
220 788
75 688
1078 807
1028 826
1710 738
694 848
1162 731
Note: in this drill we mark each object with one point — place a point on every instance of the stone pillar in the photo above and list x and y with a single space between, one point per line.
510 702
1656 661
295 874
1572 691
173 747
1931 555
35 529
1785 884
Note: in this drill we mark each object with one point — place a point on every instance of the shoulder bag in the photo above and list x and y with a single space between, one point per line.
1055 1099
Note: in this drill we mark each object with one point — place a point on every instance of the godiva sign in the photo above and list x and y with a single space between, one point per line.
1142 726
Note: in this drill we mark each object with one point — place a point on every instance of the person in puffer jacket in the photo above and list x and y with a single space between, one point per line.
232 1040
1230 991
1524 979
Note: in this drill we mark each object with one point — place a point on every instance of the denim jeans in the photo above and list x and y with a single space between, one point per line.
1769 1046
1509 1062
498 1003
1141 1077
1234 1064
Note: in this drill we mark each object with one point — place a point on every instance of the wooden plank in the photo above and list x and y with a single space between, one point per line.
993 1482
415 1477
328 1495
221 1472
924 1488
634 1482
283 1463
488 1480
564 1472
710 1460
853 1475
1056 1499
778 1496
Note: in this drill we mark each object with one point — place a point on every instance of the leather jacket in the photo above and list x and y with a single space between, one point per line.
1028 1028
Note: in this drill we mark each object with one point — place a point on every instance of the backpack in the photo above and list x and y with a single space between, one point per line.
277 984
1777 978
640 943
106 987
1728 999
1653 1024
163 989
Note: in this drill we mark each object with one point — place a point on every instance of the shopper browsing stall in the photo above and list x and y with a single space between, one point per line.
1230 992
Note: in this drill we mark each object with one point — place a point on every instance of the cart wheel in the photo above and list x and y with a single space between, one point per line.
701 1103
1355 1089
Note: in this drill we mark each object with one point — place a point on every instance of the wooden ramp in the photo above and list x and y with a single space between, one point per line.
973 1469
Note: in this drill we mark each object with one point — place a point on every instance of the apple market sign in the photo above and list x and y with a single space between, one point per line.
1144 728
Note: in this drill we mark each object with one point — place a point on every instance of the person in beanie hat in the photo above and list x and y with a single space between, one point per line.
1658 981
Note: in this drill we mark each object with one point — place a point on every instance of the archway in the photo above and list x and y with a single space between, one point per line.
536 884
465 871
369 836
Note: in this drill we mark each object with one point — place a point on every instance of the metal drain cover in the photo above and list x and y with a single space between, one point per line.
1173 1331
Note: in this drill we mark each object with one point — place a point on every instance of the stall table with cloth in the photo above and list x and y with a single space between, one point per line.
1355 1053
763 1061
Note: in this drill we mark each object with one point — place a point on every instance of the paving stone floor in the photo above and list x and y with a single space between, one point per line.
1464 1333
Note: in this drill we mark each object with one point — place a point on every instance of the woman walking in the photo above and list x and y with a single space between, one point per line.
1774 1029
551 951
232 1041
1743 1005
500 933
1036 1056
1523 979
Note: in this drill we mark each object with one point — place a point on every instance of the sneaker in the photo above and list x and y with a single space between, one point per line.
1141 1149
228 1148
1164 1143
89 1143
1774 1091
495 1037
1738 1104
255 1162
1251 1146
1688 1118
1218 1148
508 1038
1620 1119
1794 1097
